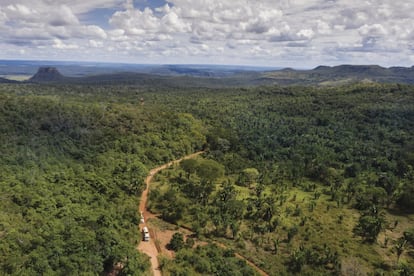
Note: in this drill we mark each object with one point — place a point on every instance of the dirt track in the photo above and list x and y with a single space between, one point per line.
150 248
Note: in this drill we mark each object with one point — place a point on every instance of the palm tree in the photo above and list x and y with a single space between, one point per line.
400 247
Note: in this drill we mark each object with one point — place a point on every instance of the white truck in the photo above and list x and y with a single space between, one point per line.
142 218
145 234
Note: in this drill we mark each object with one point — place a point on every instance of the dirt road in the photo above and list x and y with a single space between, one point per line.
150 247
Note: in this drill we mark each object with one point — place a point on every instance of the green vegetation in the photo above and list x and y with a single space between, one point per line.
71 172
314 177
303 180
206 260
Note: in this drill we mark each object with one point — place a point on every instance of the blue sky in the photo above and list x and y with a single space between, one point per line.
285 33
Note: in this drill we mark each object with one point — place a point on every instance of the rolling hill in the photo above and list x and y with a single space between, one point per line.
182 76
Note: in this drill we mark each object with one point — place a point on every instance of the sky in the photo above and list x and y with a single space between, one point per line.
285 33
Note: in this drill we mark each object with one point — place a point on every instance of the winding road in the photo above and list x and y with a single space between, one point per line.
150 247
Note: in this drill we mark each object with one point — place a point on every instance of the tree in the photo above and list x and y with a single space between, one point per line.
189 166
248 176
296 261
409 236
370 224
400 247
228 192
367 196
134 265
176 242
405 270
209 170
235 228
352 170
137 173
292 231
174 208
227 210
405 197
276 243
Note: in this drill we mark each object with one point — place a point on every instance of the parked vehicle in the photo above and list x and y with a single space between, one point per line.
142 218
145 234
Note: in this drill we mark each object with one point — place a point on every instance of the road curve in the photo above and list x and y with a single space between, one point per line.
150 247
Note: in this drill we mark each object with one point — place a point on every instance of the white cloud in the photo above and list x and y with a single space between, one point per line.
58 44
236 31
19 10
26 33
77 6
374 30
92 31
171 22
63 16
305 34
3 17
323 27
135 22
95 44
42 23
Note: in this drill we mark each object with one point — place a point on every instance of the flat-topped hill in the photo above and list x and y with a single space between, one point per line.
47 74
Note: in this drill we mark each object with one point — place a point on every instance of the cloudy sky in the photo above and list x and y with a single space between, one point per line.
294 33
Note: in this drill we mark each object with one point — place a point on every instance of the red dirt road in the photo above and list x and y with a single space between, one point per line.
150 247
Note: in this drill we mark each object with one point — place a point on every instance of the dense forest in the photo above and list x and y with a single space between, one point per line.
301 179
298 180
71 174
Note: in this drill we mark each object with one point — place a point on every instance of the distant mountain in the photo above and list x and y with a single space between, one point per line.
208 71
193 76
47 74
155 80
342 74
81 69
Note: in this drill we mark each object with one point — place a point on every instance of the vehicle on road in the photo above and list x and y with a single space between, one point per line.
145 234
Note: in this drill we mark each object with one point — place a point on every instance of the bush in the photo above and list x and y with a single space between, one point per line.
176 242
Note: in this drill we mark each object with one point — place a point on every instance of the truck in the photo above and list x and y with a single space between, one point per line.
142 218
145 234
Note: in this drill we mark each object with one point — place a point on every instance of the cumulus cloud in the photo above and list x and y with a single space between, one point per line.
374 30
200 20
44 23
94 43
77 6
136 22
58 44
237 31
92 31
63 16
